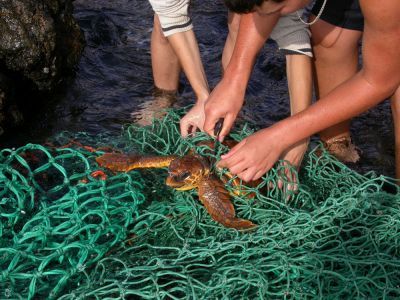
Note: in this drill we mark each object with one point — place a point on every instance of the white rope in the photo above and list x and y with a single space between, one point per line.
316 18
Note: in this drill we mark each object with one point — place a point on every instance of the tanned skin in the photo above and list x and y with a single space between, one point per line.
377 80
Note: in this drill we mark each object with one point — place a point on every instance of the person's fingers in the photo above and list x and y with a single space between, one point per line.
293 182
238 167
230 161
184 126
209 123
293 187
280 183
247 174
258 175
288 182
200 122
290 189
272 184
192 129
200 127
284 176
226 128
291 176
234 150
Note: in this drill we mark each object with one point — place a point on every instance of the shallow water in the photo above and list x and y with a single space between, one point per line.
114 80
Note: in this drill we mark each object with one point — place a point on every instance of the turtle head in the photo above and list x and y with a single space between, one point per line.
185 173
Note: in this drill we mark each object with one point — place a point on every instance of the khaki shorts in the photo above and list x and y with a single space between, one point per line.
174 15
292 36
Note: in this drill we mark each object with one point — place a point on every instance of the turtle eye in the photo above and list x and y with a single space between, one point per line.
182 176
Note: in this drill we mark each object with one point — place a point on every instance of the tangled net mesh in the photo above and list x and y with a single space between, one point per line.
68 233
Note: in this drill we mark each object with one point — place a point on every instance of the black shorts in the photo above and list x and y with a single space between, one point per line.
342 13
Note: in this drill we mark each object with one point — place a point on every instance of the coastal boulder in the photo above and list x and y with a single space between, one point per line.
40 43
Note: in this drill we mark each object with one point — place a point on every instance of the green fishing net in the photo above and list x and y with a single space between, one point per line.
70 232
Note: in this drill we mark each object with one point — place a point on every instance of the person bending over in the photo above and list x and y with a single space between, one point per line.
174 46
378 79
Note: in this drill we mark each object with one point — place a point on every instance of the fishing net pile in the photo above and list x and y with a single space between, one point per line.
70 232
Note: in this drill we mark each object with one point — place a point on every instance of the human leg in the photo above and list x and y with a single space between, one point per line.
336 60
298 66
166 70
299 77
164 61
395 103
293 39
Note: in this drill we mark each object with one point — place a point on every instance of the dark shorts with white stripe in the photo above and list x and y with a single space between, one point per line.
342 13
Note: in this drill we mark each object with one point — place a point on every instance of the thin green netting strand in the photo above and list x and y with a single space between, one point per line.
68 234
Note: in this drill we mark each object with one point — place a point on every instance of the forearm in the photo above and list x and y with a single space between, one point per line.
375 82
254 30
187 50
346 101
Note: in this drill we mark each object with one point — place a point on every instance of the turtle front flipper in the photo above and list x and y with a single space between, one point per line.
119 162
216 200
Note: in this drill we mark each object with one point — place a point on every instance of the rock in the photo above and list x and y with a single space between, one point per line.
40 42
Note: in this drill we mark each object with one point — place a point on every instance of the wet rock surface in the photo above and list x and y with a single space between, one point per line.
40 43
9 113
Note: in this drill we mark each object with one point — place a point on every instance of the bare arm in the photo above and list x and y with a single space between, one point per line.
187 50
177 27
377 80
227 98
254 30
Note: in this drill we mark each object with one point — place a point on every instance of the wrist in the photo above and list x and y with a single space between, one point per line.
236 79
283 134
201 98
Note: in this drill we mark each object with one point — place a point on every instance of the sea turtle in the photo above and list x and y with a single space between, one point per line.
184 173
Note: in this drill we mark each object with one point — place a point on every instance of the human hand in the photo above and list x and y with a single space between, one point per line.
193 119
225 102
255 155
289 166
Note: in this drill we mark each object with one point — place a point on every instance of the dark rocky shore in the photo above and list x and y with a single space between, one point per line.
40 43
